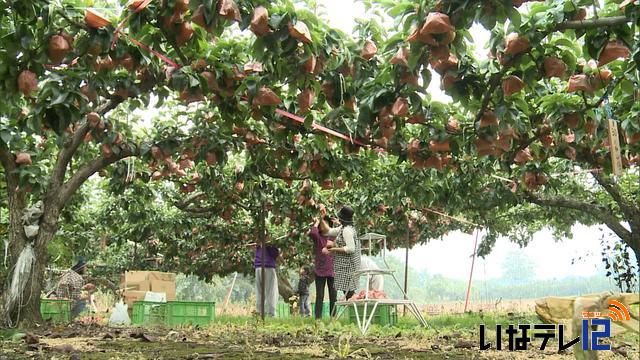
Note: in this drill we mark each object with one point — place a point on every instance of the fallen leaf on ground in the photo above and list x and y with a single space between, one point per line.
31 339
63 348
464 344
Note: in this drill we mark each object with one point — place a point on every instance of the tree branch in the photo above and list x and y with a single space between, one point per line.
73 22
184 205
610 88
9 165
631 211
60 169
71 146
597 212
628 208
524 144
88 169
593 23
172 41
493 83
199 210
210 209
190 200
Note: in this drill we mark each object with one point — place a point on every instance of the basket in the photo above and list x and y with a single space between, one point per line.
325 309
385 315
56 310
190 312
283 310
149 313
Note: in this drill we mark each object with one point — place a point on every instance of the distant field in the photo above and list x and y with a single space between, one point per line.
502 306
442 308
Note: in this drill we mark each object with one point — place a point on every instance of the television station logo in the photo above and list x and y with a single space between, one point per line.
595 326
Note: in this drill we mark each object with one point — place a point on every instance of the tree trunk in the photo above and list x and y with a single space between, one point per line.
26 313
635 246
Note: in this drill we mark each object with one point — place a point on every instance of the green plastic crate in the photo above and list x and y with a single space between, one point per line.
190 312
56 310
149 313
283 310
384 315
325 309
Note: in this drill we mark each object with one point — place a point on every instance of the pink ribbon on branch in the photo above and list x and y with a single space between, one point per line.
116 34
140 7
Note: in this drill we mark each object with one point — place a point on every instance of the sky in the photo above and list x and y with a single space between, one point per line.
451 256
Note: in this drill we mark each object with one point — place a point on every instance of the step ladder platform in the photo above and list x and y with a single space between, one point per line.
371 301
375 272
372 236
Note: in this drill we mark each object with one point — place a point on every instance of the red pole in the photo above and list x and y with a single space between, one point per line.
473 260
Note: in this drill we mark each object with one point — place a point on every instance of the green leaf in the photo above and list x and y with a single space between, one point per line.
414 57
514 16
564 43
60 99
5 136
426 77
308 122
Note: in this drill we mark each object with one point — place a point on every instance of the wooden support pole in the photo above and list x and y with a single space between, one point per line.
226 300
473 260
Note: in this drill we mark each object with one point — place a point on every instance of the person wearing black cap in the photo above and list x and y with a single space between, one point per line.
346 253
71 285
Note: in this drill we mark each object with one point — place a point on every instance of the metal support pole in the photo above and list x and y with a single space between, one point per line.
263 250
473 260
406 278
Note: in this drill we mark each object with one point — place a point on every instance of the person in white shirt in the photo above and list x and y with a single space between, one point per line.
346 253
376 282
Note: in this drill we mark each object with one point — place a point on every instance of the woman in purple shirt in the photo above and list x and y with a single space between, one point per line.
323 266
268 258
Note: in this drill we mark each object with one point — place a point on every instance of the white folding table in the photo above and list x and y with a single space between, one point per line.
365 317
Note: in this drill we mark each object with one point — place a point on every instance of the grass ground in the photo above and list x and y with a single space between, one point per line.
244 337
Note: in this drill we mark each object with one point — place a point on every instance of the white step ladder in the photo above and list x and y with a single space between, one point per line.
364 319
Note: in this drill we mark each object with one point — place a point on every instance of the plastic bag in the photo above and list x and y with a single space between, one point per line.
119 316
155 296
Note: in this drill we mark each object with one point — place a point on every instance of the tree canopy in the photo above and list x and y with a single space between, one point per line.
523 145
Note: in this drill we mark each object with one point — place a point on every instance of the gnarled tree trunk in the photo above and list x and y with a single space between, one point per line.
26 312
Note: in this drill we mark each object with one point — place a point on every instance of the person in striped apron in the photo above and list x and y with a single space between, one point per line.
346 253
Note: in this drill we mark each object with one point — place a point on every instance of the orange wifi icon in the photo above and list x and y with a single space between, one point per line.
618 311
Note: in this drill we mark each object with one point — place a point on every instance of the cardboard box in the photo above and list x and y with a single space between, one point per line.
162 276
137 286
167 287
139 276
136 276
131 296
143 281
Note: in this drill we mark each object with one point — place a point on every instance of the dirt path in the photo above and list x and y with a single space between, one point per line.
247 341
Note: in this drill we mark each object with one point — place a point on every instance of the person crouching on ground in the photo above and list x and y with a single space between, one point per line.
303 291
346 253
268 257
70 287
323 265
